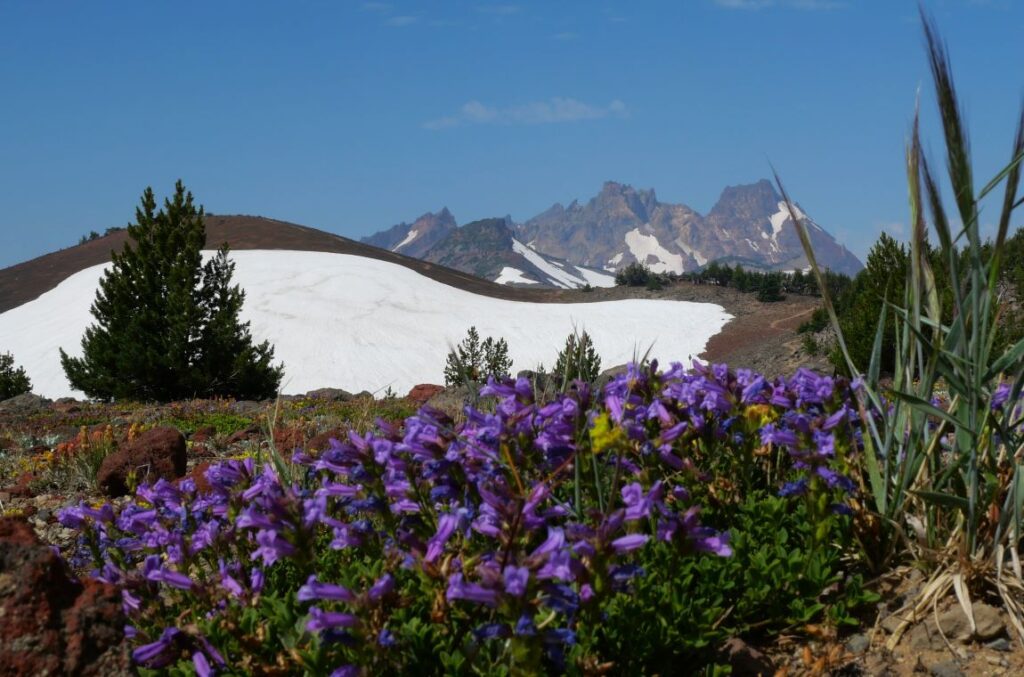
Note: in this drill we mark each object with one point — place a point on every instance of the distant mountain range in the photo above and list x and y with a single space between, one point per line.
587 243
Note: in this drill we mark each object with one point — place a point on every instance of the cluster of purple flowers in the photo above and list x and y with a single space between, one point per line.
522 519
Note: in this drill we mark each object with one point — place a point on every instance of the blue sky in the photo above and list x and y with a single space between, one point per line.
353 116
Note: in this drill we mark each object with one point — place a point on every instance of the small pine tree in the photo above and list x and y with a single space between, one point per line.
13 380
578 359
497 363
770 289
167 327
472 361
635 274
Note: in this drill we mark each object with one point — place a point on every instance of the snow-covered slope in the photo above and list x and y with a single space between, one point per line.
362 324
560 273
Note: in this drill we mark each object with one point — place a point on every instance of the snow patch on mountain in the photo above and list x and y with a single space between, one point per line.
362 324
408 238
510 275
644 246
690 251
556 272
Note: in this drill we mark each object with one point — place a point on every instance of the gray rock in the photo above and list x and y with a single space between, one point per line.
26 403
246 407
1000 644
988 621
946 669
858 643
330 394
925 636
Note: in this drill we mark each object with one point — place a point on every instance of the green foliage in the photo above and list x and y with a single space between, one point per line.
810 345
770 289
776 578
577 360
167 326
13 380
93 235
473 361
939 438
769 286
882 279
635 274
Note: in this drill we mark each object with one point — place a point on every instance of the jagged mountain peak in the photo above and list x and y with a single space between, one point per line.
415 239
622 224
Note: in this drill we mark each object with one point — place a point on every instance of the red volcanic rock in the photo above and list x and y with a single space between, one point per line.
198 475
287 440
22 486
204 434
156 453
50 622
423 392
323 440
244 434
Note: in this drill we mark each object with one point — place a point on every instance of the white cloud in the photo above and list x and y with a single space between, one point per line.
501 10
565 36
791 4
402 20
555 109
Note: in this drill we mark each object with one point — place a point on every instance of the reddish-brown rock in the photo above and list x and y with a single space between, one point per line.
159 452
423 392
52 624
22 487
198 475
287 440
244 434
323 440
204 434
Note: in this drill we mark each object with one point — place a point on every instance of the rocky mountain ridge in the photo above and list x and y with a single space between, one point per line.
749 224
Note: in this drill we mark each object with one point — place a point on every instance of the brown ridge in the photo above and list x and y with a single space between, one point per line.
26 281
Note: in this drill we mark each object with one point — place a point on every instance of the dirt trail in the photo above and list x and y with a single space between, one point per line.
777 324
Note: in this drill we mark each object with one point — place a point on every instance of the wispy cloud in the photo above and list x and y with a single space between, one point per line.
501 10
376 6
565 36
791 4
402 20
555 109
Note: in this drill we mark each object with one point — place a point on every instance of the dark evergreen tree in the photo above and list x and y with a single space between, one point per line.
497 363
473 362
578 360
883 278
770 288
635 274
13 380
167 326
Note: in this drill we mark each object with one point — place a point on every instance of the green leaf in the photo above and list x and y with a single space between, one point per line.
943 500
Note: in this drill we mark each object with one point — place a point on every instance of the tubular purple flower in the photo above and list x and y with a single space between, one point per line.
202 665
555 541
558 566
328 620
273 546
446 526
256 579
315 590
516 580
383 586
629 543
471 592
346 671
155 653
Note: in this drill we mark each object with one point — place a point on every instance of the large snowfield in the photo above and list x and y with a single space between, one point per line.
360 324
